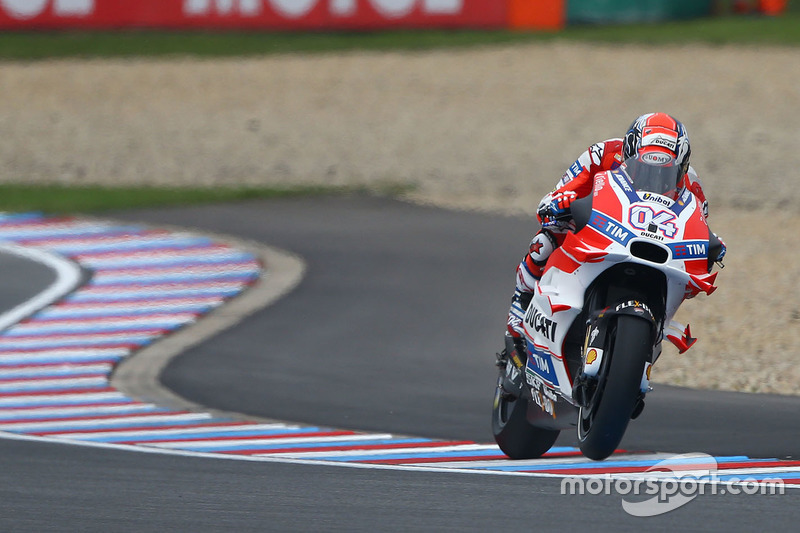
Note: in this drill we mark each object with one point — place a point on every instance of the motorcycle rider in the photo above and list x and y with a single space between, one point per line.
649 132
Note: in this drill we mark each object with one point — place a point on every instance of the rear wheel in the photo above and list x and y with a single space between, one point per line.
512 432
602 423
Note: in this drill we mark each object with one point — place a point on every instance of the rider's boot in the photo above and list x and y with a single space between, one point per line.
512 369
514 357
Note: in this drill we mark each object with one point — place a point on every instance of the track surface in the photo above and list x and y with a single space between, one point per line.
22 280
393 330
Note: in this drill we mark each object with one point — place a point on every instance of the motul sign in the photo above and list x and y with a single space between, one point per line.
252 14
299 8
25 9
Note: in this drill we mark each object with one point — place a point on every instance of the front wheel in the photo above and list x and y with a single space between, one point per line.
602 423
512 432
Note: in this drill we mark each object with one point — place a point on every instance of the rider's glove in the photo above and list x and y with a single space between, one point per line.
558 207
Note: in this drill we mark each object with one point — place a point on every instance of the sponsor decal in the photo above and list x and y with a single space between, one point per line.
540 323
599 183
299 8
25 9
653 197
545 404
646 218
593 362
650 138
653 236
613 229
512 371
540 364
542 395
656 158
683 202
639 307
689 249
250 14
240 7
575 169
623 182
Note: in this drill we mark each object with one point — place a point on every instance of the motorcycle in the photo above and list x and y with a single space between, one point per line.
606 301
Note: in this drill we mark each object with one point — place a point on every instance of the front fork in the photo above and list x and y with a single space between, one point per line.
598 329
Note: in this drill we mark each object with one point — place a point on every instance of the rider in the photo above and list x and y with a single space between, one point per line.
650 132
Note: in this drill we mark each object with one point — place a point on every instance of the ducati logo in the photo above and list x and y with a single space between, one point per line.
541 323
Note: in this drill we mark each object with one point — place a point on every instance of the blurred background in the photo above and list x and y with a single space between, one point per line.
464 104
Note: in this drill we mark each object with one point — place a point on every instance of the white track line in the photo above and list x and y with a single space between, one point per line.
68 276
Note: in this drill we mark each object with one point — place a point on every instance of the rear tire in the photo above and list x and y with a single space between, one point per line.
602 423
512 432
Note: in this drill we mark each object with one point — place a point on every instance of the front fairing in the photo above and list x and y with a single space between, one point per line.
642 227
623 226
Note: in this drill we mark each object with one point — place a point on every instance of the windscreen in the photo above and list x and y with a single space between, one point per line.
653 172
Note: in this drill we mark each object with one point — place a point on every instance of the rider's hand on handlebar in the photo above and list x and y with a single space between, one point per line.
722 250
559 205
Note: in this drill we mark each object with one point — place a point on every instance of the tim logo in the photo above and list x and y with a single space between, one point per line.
541 364
299 8
25 9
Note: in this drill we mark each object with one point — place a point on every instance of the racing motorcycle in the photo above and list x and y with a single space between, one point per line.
606 301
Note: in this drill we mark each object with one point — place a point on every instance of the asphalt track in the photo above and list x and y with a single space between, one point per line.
393 329
22 280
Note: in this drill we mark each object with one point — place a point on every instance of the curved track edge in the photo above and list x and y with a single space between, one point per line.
139 376
148 299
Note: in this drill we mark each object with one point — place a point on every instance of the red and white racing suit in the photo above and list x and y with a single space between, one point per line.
600 157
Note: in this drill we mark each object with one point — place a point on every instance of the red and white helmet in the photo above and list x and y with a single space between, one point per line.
655 133
656 151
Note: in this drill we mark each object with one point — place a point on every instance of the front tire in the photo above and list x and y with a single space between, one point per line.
602 423
512 432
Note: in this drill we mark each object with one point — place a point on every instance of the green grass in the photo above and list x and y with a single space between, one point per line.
784 30
56 199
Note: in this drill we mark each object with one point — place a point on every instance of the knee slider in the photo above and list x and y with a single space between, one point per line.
541 247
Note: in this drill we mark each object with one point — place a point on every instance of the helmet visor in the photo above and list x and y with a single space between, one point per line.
653 171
